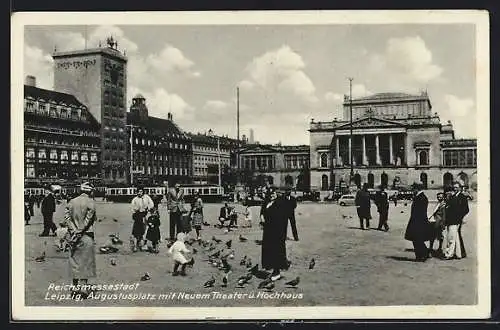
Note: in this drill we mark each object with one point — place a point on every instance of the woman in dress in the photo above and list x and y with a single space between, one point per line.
196 214
274 235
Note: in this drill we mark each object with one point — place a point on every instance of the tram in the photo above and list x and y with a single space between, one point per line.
126 194
208 193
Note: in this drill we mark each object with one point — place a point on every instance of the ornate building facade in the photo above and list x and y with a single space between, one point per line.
62 143
160 150
98 78
208 150
279 165
396 140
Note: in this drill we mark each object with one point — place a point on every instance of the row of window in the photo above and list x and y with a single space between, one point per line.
296 161
53 172
201 160
460 157
54 155
212 149
158 170
154 143
258 162
53 110
62 130
415 109
72 143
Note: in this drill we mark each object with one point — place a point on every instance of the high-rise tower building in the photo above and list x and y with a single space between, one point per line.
98 78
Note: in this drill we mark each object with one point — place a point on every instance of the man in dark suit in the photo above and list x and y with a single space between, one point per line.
48 208
418 230
457 208
382 202
363 206
290 204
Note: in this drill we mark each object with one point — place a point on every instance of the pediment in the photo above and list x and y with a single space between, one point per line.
371 122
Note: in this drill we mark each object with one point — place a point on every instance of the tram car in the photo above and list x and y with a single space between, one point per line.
126 194
208 193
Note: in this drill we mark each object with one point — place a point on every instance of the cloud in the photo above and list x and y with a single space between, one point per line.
408 58
160 102
246 85
39 64
216 104
67 41
171 59
333 97
461 112
358 90
281 70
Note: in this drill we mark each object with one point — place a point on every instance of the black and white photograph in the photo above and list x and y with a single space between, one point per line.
250 165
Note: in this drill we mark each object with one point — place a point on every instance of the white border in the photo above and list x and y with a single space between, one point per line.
479 18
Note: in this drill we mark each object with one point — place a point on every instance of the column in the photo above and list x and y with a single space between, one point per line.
377 151
337 151
350 153
363 161
391 152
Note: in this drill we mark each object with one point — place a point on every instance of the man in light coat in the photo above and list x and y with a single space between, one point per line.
79 218
175 204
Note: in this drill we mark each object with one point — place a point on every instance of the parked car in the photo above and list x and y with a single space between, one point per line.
346 200
332 196
312 196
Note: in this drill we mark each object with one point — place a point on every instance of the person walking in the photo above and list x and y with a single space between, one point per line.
418 230
457 208
48 208
31 204
141 204
274 235
79 219
363 206
382 202
175 202
437 219
290 206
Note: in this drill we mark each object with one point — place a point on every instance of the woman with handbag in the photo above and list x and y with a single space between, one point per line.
196 214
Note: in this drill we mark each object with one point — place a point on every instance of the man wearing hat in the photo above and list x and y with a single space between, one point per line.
175 206
79 218
290 205
48 208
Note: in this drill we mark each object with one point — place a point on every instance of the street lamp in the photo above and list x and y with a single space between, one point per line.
131 152
351 142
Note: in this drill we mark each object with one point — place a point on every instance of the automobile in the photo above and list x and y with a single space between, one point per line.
332 196
313 196
346 200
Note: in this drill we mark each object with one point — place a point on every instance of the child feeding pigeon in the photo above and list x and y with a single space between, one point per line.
153 233
178 251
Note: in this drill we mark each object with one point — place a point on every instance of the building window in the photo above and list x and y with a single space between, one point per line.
85 158
42 155
323 160
30 152
423 157
30 170
53 156
93 157
74 157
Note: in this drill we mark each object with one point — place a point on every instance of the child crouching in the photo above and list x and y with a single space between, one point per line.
153 233
178 251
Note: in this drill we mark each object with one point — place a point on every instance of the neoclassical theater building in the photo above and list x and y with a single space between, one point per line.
396 140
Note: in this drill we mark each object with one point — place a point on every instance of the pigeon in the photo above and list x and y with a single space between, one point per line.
344 216
249 263
293 283
242 238
229 243
258 242
113 262
210 283
264 283
226 266
116 240
402 211
243 261
244 279
115 220
312 263
215 254
40 258
216 240
195 251
262 274
254 268
145 277
270 286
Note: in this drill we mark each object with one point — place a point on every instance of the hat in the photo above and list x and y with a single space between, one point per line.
177 185
87 186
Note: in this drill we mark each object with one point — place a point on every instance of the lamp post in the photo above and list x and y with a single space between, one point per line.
350 132
218 159
131 152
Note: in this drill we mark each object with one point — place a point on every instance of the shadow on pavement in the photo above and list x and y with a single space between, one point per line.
397 258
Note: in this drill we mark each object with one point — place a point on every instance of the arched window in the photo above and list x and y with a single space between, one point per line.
323 160
371 180
423 179
423 157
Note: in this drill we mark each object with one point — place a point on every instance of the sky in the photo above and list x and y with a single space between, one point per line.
286 74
